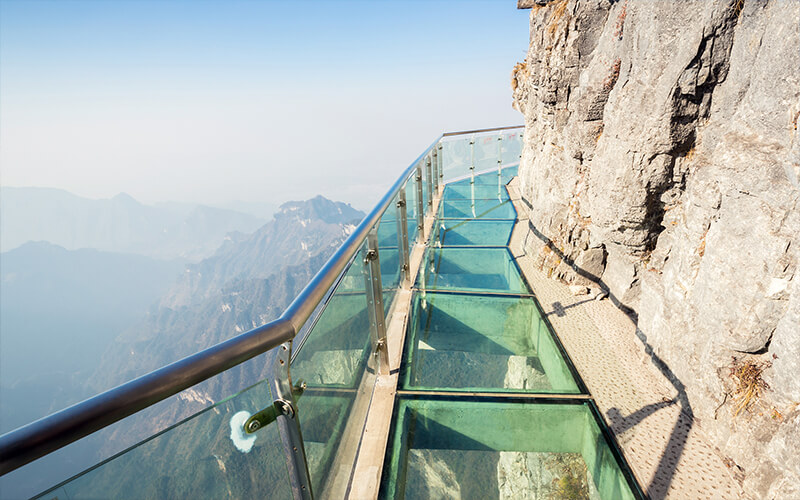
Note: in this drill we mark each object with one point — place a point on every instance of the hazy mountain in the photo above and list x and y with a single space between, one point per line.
246 283
298 231
119 224
59 310
262 209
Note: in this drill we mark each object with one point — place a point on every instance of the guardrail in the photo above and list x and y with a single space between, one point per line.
43 436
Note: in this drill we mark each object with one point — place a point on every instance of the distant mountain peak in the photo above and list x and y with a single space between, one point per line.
319 207
125 198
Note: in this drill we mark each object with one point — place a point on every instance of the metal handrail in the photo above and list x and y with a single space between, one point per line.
46 435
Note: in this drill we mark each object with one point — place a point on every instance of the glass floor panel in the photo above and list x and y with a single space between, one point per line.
471 269
472 448
472 232
476 209
475 192
482 343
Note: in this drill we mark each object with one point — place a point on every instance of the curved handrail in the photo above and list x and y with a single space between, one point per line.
48 434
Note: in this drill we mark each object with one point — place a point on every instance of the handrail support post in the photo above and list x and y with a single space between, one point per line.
402 236
289 423
420 206
375 311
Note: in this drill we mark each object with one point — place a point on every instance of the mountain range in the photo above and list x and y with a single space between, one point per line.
96 319
119 224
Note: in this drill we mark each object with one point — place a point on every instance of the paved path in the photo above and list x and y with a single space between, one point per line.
663 444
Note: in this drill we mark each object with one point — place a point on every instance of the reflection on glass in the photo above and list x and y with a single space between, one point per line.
207 456
480 343
468 448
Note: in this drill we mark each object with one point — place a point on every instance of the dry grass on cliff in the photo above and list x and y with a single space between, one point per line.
559 9
750 385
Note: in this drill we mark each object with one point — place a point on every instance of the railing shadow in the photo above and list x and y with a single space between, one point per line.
665 472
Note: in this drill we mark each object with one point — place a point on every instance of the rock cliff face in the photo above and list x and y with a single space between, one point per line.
662 160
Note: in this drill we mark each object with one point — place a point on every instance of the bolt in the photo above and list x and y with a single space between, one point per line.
253 426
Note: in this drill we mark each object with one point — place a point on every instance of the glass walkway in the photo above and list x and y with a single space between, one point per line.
488 405
484 402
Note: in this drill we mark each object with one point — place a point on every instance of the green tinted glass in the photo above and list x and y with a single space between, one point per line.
482 343
476 209
472 232
469 448
334 362
467 191
470 269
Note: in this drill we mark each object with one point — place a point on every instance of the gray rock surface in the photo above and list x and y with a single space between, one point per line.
662 160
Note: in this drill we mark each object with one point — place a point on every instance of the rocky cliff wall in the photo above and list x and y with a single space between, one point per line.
662 160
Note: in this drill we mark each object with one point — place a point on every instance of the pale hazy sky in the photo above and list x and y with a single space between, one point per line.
210 102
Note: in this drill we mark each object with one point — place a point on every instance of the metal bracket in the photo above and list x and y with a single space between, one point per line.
285 407
271 413
370 256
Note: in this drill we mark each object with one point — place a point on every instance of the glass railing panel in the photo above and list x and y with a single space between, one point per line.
456 157
508 173
389 253
207 455
424 182
487 179
473 448
482 343
471 269
387 227
335 363
473 232
476 209
411 211
512 146
468 191
487 152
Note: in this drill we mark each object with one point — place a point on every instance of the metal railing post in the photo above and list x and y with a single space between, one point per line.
377 320
420 207
289 423
472 174
402 234
441 164
429 183
499 163
435 170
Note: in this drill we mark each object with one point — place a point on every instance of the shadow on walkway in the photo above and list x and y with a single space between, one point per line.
665 472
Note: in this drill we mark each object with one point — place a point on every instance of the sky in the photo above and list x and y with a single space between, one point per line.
258 101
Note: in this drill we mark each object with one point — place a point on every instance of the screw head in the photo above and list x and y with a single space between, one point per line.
253 426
